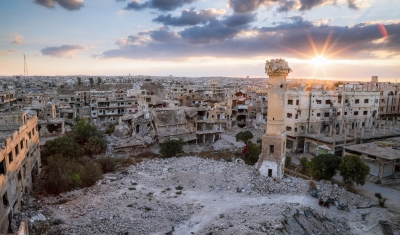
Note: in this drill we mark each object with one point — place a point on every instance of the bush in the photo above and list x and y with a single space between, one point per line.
244 136
95 145
305 165
324 166
63 146
107 163
83 129
65 174
252 154
381 199
171 148
353 170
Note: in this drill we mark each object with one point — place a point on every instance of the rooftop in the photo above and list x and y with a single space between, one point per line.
388 149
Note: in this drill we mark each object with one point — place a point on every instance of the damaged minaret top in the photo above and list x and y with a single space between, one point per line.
277 66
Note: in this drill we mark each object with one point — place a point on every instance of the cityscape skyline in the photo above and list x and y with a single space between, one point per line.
342 40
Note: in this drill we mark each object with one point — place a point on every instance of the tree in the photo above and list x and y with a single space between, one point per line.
171 148
244 136
83 129
324 166
305 165
64 146
252 154
79 81
98 80
91 81
353 170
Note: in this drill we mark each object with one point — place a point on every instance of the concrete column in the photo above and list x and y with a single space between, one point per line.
213 139
347 129
204 139
330 130
355 133
341 128
373 131
319 129
362 132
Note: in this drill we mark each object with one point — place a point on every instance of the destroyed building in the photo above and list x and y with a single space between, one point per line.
382 157
20 162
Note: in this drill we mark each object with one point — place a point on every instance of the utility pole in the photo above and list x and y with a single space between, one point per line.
25 67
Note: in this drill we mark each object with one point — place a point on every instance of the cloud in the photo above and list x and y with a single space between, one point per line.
285 39
287 6
189 17
8 52
246 6
161 5
236 20
67 4
17 39
66 51
352 4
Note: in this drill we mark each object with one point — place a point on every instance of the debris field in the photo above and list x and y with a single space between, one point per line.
192 195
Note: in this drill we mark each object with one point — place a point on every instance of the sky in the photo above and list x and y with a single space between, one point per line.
321 39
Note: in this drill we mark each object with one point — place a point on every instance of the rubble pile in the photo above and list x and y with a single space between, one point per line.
191 195
339 194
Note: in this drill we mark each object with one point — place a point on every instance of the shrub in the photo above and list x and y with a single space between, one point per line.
305 165
252 154
179 188
107 163
381 199
312 184
94 145
63 146
353 170
171 148
244 136
83 129
65 174
324 166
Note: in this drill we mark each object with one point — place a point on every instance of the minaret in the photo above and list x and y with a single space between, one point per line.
272 158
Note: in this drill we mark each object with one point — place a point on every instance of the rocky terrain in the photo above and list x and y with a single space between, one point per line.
191 195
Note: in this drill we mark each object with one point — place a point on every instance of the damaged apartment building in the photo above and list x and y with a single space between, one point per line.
198 123
19 161
324 121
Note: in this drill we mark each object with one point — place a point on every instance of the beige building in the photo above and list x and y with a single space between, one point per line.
19 162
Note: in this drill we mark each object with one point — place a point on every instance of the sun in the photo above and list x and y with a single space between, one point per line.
319 61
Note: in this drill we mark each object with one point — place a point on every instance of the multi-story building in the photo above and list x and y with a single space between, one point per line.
19 162
313 111
8 102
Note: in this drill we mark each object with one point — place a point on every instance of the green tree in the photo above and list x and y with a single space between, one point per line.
171 148
79 81
64 146
83 129
324 166
91 81
244 136
353 170
252 155
98 80
305 165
